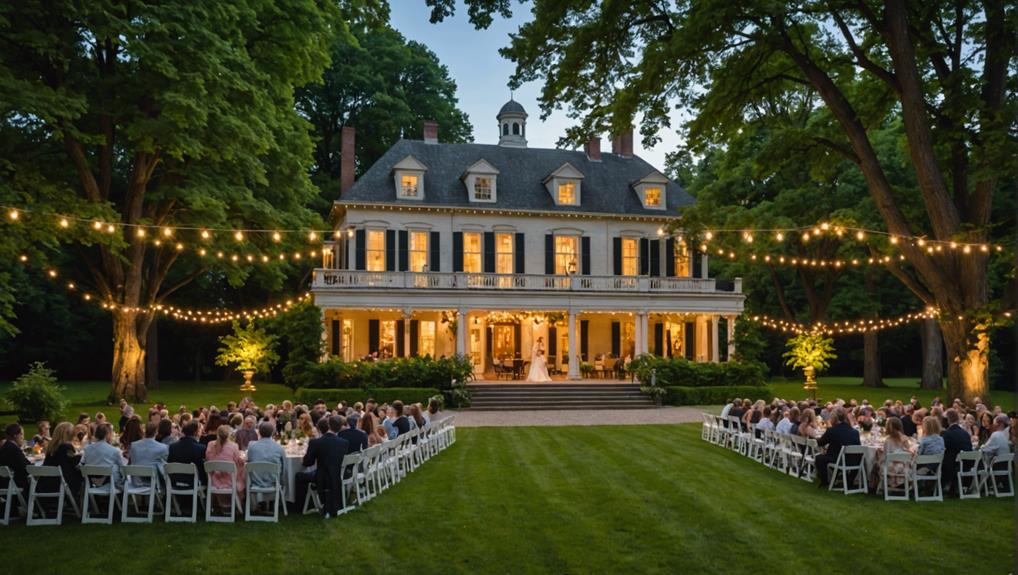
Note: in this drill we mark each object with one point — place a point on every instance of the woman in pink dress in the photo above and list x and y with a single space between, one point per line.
222 449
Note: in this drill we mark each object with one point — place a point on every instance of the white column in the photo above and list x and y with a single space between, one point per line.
703 266
637 336
641 328
407 314
461 332
574 354
731 337
715 325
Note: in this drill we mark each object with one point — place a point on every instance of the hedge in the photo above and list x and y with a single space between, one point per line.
381 395
685 373
684 395
397 373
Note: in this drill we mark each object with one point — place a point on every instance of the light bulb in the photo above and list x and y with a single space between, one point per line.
64 223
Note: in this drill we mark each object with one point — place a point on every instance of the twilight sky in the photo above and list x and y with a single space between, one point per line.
481 75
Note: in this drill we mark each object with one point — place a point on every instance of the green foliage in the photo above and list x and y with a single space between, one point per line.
36 396
300 332
749 341
683 395
381 395
413 372
248 348
681 371
810 349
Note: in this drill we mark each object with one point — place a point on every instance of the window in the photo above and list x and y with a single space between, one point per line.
566 251
504 253
516 128
387 339
482 188
472 252
375 251
418 251
505 129
346 346
681 259
426 339
630 256
567 193
408 185
652 197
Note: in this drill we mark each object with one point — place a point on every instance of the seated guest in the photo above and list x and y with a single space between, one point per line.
81 435
727 409
211 429
305 426
997 444
985 423
788 423
402 423
931 443
222 449
355 414
103 452
765 423
188 450
432 414
971 427
132 432
13 457
754 415
60 453
837 436
326 454
126 413
236 421
267 450
808 423
956 440
416 417
164 432
148 451
246 434
367 425
356 438
389 423
907 422
42 436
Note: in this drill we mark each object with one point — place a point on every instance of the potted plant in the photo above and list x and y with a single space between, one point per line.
810 352
250 350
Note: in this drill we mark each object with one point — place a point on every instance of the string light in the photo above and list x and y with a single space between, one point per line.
64 223
13 215
851 326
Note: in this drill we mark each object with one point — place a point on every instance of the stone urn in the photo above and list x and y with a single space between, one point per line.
811 381
248 385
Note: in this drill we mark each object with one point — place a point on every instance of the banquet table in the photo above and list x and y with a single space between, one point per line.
291 466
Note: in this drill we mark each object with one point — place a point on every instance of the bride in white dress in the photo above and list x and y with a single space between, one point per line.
538 363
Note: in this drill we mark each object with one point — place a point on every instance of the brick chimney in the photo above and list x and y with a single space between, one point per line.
347 163
593 149
622 144
430 132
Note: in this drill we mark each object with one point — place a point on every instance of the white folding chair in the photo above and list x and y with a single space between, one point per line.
999 475
36 497
404 454
808 471
841 469
757 442
350 469
9 494
98 483
176 484
925 462
891 471
221 467
795 448
263 469
970 467
139 481
716 429
372 456
312 501
705 431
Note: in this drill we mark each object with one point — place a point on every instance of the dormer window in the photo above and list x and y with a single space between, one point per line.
565 185
480 180
567 193
482 188
651 189
409 178
652 197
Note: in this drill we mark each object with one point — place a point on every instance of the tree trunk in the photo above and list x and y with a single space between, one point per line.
966 360
128 357
871 360
152 356
933 355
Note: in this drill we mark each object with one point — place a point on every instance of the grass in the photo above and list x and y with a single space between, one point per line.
647 499
903 388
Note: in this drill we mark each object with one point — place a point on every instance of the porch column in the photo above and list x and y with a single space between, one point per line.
407 314
461 331
703 266
642 345
574 355
715 325
731 337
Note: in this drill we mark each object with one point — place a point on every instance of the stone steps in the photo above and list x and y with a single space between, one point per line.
546 396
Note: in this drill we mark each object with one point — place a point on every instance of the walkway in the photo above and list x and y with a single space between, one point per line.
661 416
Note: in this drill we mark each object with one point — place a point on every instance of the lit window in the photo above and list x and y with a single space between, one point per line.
347 340
567 193
387 339
472 252
482 188
504 253
681 260
426 339
418 251
376 251
566 251
630 257
408 185
652 197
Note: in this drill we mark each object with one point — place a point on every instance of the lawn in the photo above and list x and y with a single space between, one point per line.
647 499
830 388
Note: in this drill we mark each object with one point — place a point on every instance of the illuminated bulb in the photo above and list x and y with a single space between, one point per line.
922 242
239 236
805 237
110 229
660 232
967 249
349 233
336 234
70 285
894 240
14 215
313 253
860 236
825 226
983 248
64 223
140 233
296 255
276 236
781 237
816 231
205 234
312 236
250 258
749 238
219 255
88 297
265 258
23 258
708 236
282 257
180 246
167 232
158 242
202 252
234 257
97 225
53 273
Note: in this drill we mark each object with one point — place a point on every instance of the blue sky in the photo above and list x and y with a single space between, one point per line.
481 75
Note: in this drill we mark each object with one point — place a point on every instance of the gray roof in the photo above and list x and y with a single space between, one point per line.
512 106
606 187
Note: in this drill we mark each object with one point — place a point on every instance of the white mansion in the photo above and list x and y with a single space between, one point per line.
481 249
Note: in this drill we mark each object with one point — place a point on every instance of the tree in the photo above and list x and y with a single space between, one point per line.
946 68
248 348
177 116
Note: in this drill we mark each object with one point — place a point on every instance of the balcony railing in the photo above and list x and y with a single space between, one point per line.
351 279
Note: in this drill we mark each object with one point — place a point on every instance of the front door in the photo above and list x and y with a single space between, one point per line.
503 341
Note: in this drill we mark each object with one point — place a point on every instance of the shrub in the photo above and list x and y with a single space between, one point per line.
413 372
685 373
36 395
682 395
299 330
381 395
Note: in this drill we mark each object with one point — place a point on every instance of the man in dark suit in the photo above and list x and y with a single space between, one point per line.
956 439
402 424
188 450
837 436
12 456
907 424
357 439
326 454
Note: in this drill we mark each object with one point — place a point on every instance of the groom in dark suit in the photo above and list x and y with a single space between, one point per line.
956 440
326 454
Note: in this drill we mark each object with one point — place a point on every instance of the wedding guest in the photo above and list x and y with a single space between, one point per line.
997 444
265 449
789 421
808 423
164 432
42 434
834 439
970 426
416 417
367 425
60 453
727 409
305 426
188 450
12 456
246 434
907 421
766 423
103 452
211 429
985 422
81 436
326 454
236 421
355 414
222 449
132 432
956 440
402 422
389 423
148 451
432 414
356 438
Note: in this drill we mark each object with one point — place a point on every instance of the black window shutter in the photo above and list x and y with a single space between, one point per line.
584 324
670 257
690 341
400 333
668 343
436 255
617 256
519 256
390 250
489 252
644 256
517 340
697 263
335 337
616 339
372 335
457 251
585 255
655 257
487 343
414 334
552 346
359 249
659 339
549 254
404 251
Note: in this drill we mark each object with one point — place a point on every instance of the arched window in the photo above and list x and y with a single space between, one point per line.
516 128
505 129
